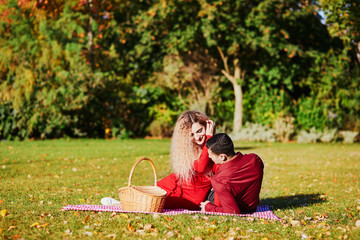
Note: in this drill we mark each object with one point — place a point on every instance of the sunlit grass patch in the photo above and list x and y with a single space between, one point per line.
313 188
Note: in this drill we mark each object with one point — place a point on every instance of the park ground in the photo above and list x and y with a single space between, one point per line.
313 188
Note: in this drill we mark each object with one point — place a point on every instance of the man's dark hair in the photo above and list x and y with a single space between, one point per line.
221 143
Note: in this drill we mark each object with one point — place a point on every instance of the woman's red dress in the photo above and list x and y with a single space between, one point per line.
189 194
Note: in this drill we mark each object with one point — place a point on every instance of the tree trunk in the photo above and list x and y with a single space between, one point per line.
90 35
237 124
238 112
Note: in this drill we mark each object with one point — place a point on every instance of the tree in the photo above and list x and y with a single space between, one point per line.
44 80
192 77
343 21
271 41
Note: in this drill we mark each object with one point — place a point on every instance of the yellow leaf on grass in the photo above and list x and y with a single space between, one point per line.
131 228
1 202
11 227
3 212
35 224
43 225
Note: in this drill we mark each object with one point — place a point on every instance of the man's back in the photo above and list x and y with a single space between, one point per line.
237 184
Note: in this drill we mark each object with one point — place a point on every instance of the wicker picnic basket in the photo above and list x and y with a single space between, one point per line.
142 198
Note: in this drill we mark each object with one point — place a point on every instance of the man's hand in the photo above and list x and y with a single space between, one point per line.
210 128
202 205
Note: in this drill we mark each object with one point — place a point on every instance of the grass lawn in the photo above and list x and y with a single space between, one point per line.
313 188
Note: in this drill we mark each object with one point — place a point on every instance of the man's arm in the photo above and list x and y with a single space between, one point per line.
227 199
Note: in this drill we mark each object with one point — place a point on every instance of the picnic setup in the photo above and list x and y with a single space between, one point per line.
151 200
181 119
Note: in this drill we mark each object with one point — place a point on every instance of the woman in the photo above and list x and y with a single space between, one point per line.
189 183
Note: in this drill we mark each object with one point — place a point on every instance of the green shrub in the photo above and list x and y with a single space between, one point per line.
310 113
164 121
284 128
308 137
348 136
328 135
270 105
254 132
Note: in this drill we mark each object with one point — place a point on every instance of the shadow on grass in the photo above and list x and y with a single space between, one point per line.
287 202
243 148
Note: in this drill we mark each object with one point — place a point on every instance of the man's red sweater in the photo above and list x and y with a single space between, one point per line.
237 184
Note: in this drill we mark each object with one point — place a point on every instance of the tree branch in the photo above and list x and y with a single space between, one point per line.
224 59
228 76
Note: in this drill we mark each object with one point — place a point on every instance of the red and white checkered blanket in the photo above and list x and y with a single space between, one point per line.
263 212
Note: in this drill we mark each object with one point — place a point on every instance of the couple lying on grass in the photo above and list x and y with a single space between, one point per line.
207 173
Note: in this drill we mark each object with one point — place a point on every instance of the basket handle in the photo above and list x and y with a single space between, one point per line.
137 162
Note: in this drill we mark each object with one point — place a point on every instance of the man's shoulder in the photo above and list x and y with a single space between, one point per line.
252 156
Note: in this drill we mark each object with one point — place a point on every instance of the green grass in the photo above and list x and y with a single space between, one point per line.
313 188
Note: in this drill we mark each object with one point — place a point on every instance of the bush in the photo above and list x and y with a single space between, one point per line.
161 129
254 132
311 113
164 121
348 136
328 135
270 105
284 128
308 137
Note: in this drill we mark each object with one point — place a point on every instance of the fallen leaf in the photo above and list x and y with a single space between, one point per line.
35 224
357 223
89 234
141 231
295 223
11 227
42 225
67 232
111 235
3 212
147 227
131 228
1 202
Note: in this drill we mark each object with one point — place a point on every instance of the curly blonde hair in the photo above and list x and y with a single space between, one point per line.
183 150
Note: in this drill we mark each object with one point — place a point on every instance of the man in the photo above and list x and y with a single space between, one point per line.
238 178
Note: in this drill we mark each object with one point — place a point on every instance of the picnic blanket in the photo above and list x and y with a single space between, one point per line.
263 212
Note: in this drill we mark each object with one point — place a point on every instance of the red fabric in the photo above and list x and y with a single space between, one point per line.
188 195
237 184
216 200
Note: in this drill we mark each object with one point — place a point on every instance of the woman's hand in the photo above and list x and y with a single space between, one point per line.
202 205
210 128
